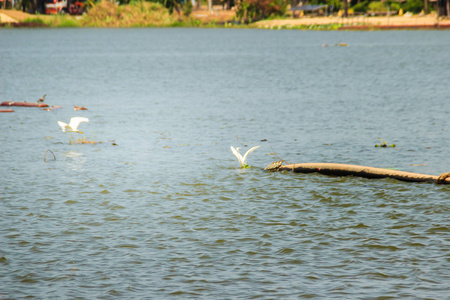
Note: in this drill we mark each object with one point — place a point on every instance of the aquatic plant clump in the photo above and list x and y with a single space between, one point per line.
82 140
383 144
136 14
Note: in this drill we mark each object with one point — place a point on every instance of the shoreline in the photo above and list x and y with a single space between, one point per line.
219 17
429 21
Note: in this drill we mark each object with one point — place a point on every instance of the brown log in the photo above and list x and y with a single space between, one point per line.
6 110
363 171
25 104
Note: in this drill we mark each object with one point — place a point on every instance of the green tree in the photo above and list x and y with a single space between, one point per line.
361 7
414 6
187 8
260 9
171 5
333 5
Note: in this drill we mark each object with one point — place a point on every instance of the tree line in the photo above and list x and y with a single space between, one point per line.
260 9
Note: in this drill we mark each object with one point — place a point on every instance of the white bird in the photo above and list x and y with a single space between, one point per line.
241 158
73 124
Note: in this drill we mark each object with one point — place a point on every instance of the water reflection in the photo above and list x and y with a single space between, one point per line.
75 160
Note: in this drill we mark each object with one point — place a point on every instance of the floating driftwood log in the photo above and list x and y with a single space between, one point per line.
6 110
362 171
25 104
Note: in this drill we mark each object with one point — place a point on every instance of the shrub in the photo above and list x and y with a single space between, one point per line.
187 8
336 5
377 6
394 6
414 6
333 5
139 13
68 22
35 20
260 9
361 7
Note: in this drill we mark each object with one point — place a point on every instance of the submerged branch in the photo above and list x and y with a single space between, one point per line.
45 157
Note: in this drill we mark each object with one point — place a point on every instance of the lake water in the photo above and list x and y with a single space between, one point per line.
160 208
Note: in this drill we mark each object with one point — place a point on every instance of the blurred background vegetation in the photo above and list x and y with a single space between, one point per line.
166 12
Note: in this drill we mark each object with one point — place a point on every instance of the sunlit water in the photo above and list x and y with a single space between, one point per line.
160 208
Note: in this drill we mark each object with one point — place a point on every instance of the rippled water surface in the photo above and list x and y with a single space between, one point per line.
160 208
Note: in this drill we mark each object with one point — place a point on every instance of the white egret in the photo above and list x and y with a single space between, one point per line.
241 158
73 124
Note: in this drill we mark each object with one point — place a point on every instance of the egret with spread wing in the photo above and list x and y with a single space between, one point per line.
73 124
241 158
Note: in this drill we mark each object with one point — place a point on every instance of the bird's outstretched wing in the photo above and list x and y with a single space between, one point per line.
249 151
238 155
62 125
75 122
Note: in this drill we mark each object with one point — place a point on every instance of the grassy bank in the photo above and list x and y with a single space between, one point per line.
149 14
137 14
107 14
328 26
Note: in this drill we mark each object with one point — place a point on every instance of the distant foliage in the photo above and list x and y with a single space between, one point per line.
34 20
394 6
333 5
377 6
414 6
361 7
187 8
139 13
253 10
172 5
